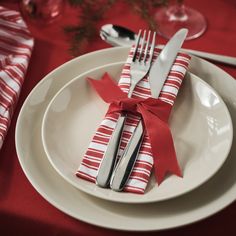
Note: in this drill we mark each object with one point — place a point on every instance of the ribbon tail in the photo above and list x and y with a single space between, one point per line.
166 161
107 89
162 146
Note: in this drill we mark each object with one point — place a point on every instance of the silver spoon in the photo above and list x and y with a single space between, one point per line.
116 35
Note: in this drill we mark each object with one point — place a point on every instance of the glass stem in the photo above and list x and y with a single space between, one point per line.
177 12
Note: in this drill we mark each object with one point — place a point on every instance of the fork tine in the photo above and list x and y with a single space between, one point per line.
147 46
137 45
142 45
151 52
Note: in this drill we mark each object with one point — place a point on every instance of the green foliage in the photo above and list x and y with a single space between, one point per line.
90 13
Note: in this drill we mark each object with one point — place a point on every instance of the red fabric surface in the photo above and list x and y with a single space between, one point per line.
22 210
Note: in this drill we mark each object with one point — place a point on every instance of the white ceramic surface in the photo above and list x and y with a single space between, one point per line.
200 124
217 193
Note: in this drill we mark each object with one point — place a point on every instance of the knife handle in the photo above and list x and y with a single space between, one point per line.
126 163
110 156
212 56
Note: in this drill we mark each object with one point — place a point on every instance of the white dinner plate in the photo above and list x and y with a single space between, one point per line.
200 124
200 203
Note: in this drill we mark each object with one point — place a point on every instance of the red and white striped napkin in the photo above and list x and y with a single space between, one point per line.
140 175
16 45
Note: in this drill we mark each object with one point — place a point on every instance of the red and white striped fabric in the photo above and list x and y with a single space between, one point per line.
16 45
139 178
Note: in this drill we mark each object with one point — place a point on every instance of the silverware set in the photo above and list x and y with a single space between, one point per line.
115 173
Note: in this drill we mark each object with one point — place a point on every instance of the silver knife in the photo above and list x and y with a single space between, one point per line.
157 76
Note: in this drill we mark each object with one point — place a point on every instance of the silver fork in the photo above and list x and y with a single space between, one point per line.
140 66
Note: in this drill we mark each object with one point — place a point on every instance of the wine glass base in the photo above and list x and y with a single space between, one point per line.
170 20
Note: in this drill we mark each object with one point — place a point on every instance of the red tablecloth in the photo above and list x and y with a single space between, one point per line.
22 210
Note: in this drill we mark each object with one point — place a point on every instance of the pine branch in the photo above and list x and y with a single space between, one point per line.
91 13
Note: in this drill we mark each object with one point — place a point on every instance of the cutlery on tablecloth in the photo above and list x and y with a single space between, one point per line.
139 67
120 36
157 76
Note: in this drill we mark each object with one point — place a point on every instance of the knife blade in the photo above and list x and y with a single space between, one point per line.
157 76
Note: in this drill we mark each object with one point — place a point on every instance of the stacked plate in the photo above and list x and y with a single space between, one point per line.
62 113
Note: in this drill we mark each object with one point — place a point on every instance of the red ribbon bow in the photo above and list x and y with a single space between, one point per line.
155 114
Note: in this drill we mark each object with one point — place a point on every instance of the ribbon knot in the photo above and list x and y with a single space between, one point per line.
154 113
130 105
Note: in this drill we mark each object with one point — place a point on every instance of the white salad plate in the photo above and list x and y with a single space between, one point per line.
200 123
209 198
